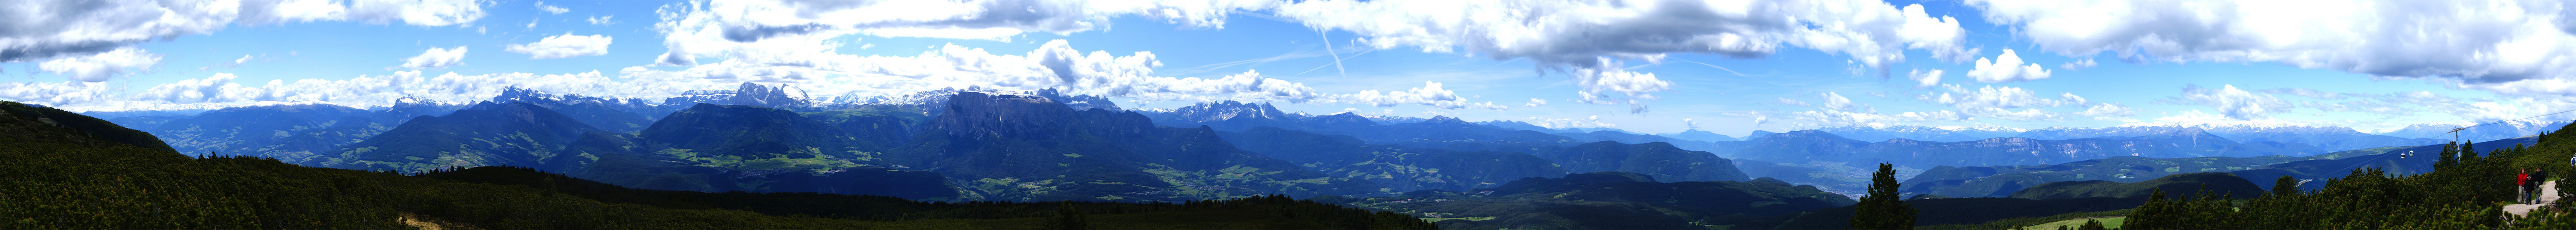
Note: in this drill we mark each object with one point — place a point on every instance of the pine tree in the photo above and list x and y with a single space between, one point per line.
1882 209
2152 215
2450 156
2285 187
1069 218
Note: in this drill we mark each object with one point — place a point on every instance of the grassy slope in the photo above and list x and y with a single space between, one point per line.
2107 222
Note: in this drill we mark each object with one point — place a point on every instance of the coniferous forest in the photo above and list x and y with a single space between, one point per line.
68 171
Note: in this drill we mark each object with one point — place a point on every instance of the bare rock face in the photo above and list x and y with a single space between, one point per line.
750 94
978 115
1227 110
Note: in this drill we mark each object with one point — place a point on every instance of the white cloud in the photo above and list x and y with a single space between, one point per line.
1997 97
1429 94
1832 118
541 6
744 28
220 90
2108 112
436 58
56 94
603 20
2235 103
1786 101
1836 101
1055 64
2086 63
561 46
1535 102
1561 123
2476 42
1924 78
41 30
1598 81
417 12
101 66
1581 36
1998 102
2006 68
2305 92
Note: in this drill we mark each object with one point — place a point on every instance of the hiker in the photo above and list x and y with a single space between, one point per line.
2522 181
2539 176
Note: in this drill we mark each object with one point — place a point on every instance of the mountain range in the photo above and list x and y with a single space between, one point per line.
981 145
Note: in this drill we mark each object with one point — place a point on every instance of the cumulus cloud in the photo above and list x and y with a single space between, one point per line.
1836 101
1787 101
56 94
1054 64
2006 68
603 20
221 90
1598 81
1924 78
2305 92
745 28
1999 102
560 46
2108 112
2078 64
1564 123
436 58
541 6
2474 42
1579 37
101 66
1832 118
1535 102
1997 97
2232 102
40 30
1429 94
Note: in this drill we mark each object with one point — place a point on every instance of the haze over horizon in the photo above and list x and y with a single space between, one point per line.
1729 67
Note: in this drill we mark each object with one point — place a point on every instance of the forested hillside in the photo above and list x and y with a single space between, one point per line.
72 171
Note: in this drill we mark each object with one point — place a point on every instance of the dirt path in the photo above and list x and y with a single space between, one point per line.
2548 194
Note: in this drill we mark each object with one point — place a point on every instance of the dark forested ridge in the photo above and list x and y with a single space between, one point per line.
1608 200
67 174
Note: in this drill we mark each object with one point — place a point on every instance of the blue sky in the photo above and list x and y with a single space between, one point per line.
1729 67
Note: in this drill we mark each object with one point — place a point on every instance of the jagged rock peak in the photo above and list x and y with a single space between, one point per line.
977 115
1078 102
515 93
1227 110
753 94
1445 120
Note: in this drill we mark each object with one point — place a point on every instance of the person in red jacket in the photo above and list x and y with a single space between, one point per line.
2522 181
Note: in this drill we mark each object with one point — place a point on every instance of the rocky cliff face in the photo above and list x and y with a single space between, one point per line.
782 96
980 115
1226 110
